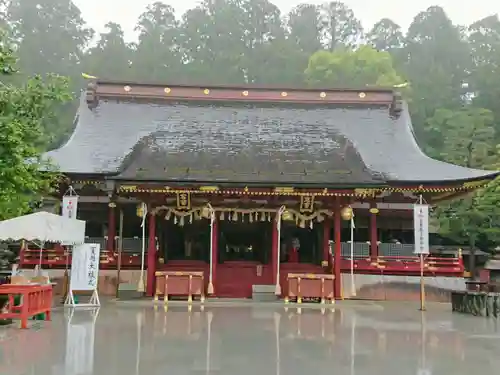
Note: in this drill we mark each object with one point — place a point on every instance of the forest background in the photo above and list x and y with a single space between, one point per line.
452 73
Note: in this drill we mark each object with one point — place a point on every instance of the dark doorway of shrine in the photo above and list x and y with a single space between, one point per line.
301 245
244 257
187 244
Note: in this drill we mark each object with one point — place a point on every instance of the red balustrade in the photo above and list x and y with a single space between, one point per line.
35 299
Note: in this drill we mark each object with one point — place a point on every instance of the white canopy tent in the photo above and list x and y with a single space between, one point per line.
43 227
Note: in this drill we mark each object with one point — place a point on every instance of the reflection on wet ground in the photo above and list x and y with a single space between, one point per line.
122 340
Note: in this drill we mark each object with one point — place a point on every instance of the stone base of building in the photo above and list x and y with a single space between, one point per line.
369 287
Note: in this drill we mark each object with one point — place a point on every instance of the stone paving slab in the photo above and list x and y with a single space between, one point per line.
354 338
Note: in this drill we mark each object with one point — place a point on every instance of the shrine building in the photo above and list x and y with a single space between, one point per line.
248 184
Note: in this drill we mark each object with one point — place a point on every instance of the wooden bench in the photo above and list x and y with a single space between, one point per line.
302 286
180 283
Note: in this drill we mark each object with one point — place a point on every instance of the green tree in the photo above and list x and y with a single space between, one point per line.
386 35
24 176
111 56
484 42
305 28
340 27
157 56
345 68
436 62
50 35
462 136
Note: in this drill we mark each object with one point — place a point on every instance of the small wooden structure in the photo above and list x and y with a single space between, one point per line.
184 284
318 286
35 299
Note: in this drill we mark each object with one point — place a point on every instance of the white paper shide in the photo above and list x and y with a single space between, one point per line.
421 228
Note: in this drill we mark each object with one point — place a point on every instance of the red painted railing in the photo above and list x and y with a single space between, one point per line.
35 299
407 265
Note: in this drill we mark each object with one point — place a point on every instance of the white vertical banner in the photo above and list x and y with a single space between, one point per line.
85 266
84 272
70 206
421 228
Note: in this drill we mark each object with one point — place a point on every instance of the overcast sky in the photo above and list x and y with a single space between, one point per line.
125 12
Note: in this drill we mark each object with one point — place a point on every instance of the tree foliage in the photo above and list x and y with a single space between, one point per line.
364 66
24 176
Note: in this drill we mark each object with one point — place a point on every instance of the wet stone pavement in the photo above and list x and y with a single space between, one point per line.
239 340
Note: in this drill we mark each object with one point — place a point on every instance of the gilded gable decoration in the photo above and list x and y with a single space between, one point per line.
307 203
183 201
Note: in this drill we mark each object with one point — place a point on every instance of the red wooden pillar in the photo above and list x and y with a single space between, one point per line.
373 232
151 270
110 246
215 255
326 240
336 251
275 252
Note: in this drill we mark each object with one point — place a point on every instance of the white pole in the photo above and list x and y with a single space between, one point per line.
277 290
140 287
353 285
210 288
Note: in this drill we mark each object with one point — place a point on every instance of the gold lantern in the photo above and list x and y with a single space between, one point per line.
287 215
206 212
346 213
140 210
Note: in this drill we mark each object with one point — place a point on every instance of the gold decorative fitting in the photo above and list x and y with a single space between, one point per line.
362 95
112 204
323 95
346 213
306 203
374 210
167 90
140 209
284 94
127 88
287 215
245 93
183 201
206 91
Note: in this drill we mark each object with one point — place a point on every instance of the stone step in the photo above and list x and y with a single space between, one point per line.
264 293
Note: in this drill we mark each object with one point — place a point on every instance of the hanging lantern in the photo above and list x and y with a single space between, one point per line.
235 216
287 215
346 213
205 212
222 215
140 210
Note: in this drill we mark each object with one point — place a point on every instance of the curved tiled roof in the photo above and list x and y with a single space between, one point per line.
254 142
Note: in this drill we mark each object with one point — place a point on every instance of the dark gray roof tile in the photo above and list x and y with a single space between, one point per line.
250 143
